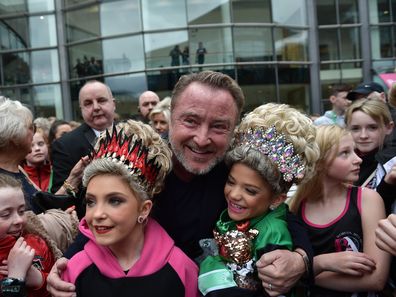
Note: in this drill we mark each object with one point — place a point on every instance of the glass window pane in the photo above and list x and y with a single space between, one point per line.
159 48
75 87
350 43
208 12
126 89
251 11
25 32
74 2
351 72
163 14
86 59
22 94
294 86
82 23
40 5
18 6
162 80
330 72
253 44
16 67
289 12
47 101
17 36
393 7
384 66
120 17
291 44
379 11
381 42
5 42
326 12
328 45
44 66
258 84
42 31
348 10
118 55
394 41
211 46
14 6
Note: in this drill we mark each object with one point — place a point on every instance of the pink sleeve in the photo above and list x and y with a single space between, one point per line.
187 271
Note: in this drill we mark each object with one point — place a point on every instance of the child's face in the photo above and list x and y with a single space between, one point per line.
346 164
12 212
39 152
366 132
112 211
248 195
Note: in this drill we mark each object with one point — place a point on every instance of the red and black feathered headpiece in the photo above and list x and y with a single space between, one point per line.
129 151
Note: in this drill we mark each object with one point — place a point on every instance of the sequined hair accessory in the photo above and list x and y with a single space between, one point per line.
130 152
274 145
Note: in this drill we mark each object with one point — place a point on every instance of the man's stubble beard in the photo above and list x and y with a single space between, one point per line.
182 160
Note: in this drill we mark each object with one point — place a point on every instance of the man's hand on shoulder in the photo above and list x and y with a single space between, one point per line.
55 285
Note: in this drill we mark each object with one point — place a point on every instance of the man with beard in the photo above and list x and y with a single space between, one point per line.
205 109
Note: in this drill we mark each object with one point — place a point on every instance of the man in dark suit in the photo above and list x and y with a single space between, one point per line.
98 110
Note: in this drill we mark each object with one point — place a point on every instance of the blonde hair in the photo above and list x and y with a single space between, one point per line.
157 149
162 107
376 109
327 138
298 131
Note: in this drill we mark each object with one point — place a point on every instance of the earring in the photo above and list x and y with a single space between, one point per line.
141 219
272 207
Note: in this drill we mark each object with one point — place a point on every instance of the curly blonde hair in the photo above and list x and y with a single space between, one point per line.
157 149
298 130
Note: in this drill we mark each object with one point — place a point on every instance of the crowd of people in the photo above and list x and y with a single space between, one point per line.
190 197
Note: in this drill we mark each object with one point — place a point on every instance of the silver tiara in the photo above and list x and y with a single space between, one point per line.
274 145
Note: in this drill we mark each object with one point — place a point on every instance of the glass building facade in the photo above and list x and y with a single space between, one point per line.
288 51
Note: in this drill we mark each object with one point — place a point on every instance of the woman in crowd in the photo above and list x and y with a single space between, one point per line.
128 251
58 128
341 221
16 136
160 117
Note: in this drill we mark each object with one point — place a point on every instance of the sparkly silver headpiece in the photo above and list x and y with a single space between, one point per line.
274 145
